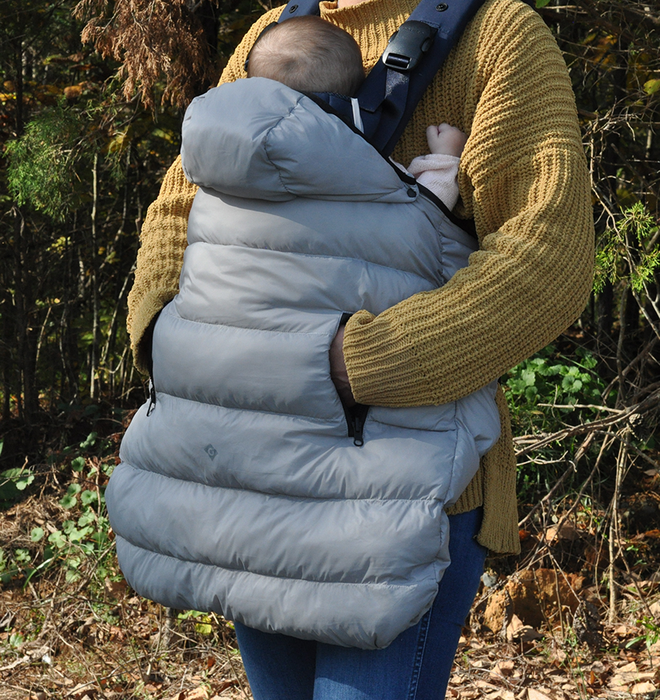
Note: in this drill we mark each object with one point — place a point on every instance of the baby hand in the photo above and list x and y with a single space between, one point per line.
446 140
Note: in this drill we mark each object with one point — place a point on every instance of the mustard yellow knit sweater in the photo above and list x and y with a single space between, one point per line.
524 180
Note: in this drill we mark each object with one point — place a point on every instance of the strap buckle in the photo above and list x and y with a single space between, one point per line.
407 45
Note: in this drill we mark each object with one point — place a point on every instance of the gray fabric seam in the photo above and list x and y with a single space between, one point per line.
275 576
322 421
247 328
285 496
267 136
320 255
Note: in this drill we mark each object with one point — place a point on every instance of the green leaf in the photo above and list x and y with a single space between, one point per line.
87 497
89 441
22 556
16 639
72 576
36 534
68 502
89 516
100 537
528 377
22 484
541 3
78 535
78 464
651 86
57 539
107 468
13 481
516 385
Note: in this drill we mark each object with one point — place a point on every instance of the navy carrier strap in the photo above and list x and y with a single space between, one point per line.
412 57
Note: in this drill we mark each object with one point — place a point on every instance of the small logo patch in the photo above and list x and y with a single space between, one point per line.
211 451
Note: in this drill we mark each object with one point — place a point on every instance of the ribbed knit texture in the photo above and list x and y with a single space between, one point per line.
524 180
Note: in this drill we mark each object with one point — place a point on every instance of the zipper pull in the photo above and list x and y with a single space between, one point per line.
356 417
152 398
358 429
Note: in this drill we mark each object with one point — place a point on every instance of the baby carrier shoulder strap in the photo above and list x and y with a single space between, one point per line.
397 82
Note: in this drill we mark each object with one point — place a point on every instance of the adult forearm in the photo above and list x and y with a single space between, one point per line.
528 282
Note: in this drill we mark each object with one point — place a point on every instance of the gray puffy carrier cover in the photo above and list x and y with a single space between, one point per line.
241 491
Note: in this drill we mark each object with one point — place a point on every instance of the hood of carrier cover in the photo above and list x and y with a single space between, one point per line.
258 138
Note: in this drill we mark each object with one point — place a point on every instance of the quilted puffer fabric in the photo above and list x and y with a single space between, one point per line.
240 489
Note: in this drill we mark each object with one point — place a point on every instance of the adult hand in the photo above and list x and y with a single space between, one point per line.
338 372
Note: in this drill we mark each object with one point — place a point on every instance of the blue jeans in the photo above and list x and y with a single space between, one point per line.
416 666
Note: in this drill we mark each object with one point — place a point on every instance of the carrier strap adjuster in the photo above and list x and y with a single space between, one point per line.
407 45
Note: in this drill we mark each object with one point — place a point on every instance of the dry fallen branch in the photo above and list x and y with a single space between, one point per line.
621 416
606 442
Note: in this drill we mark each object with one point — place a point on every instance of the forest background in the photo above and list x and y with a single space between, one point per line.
92 95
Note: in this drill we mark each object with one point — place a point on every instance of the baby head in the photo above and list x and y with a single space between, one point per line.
308 54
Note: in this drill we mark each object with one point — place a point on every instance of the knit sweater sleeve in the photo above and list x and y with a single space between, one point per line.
524 178
163 234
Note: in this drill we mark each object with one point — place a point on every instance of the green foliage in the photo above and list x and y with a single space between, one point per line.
82 541
202 621
552 378
652 86
650 636
43 163
545 393
78 464
69 500
629 252
13 483
49 167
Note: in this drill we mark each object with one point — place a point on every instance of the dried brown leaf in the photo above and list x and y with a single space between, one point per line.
643 688
533 694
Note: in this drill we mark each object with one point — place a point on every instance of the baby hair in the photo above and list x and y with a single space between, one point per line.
310 55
